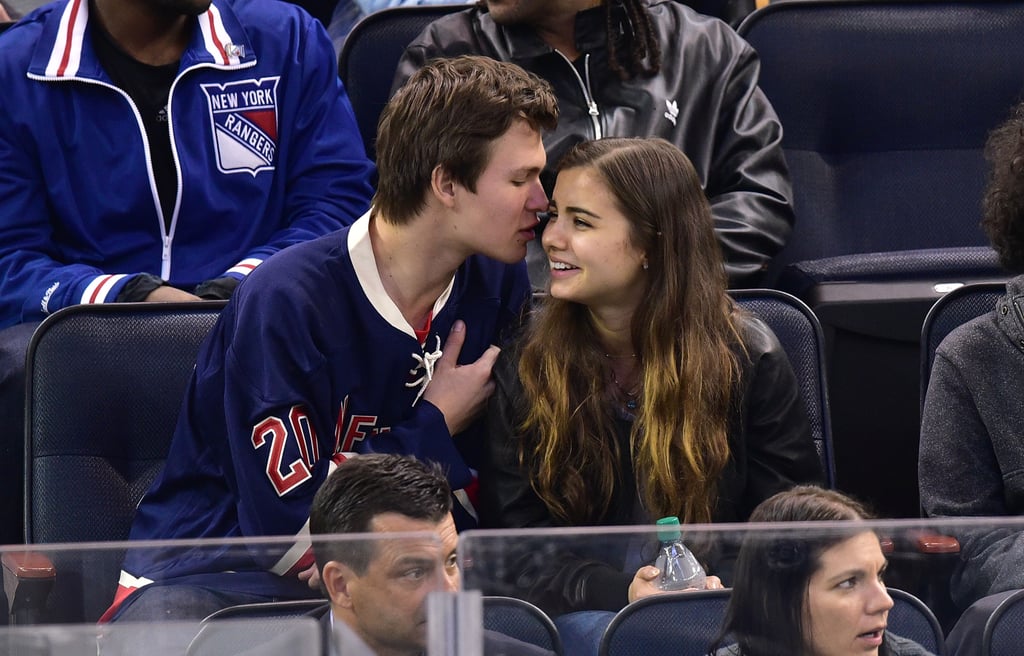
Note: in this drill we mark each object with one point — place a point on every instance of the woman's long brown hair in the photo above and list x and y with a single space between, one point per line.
683 332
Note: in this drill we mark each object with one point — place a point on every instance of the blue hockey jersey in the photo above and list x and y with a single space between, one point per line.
309 360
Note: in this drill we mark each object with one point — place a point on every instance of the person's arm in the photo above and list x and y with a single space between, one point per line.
34 280
748 181
328 173
960 476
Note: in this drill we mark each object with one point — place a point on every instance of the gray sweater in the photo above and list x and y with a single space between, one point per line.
972 444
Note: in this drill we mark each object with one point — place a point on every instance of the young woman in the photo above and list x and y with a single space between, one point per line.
638 390
817 593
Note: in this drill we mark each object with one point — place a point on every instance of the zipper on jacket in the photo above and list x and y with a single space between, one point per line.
166 234
595 113
165 255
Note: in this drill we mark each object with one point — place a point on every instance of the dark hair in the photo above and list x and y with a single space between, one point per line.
766 609
683 335
1003 202
448 114
365 486
634 34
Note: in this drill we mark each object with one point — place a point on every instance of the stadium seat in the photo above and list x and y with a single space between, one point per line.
370 57
1004 630
911 618
686 624
800 335
104 386
521 620
955 308
885 107
681 624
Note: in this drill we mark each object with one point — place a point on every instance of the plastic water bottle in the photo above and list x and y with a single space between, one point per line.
679 567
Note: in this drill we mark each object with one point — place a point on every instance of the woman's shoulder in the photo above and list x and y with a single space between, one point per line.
756 336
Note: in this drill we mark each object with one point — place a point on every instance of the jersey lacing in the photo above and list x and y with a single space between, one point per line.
426 363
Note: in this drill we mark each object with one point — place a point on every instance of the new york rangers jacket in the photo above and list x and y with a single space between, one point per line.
263 137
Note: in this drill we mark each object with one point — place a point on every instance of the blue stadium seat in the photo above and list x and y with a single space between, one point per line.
104 387
370 56
686 624
680 624
523 621
952 310
800 335
1004 630
885 107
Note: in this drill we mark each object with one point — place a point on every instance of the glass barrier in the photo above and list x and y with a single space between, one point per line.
564 591
63 599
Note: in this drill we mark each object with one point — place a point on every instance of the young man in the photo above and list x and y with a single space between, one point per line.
644 68
159 150
378 587
335 345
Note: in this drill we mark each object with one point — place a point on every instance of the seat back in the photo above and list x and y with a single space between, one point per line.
800 334
370 57
1004 630
523 621
686 623
680 624
911 618
952 310
103 389
856 83
887 193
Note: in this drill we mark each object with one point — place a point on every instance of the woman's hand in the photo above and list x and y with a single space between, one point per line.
645 583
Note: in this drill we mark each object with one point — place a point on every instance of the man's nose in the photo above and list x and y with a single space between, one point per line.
537 201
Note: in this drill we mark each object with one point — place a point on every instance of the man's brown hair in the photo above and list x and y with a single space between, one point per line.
448 114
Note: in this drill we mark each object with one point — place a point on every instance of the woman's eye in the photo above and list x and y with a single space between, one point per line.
580 223
848 583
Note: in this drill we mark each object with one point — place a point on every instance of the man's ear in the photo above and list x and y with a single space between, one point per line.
443 186
338 579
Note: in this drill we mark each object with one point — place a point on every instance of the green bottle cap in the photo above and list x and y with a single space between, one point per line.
671 531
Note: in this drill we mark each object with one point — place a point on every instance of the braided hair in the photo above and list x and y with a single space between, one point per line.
632 46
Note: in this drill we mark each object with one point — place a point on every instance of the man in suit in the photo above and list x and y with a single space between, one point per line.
378 586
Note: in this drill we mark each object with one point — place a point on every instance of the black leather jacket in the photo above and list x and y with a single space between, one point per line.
705 100
771 450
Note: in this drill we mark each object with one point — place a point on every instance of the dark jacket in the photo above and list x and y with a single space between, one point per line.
972 457
705 100
770 447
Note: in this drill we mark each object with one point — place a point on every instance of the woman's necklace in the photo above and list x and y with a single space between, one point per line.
628 397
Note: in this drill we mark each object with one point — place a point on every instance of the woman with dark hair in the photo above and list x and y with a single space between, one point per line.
810 592
639 390
971 452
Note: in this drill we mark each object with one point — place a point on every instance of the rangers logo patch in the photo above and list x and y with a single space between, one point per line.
243 117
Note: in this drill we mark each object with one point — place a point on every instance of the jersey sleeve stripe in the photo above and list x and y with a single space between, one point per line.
295 553
245 267
98 290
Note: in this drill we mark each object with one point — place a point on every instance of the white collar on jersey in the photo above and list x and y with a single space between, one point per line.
361 252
